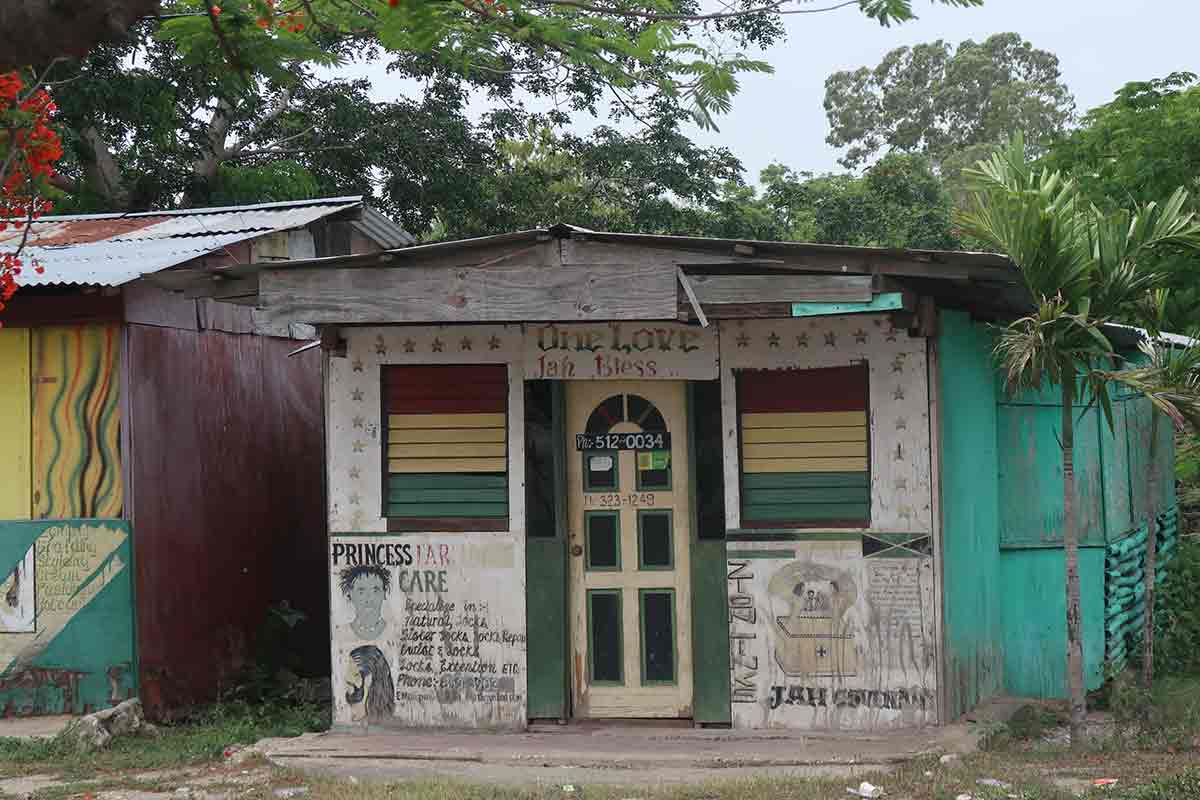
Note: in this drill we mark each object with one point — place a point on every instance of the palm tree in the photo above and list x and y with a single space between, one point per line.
1169 377
1083 268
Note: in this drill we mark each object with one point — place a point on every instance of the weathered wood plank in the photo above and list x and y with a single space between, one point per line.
847 433
455 509
447 450
422 435
447 465
802 419
445 482
16 491
809 512
146 304
857 494
849 464
493 294
577 252
804 450
426 421
812 480
730 289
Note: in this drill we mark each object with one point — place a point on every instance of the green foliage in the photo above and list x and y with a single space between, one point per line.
898 202
1174 787
1177 616
1141 146
198 739
265 183
1167 715
951 105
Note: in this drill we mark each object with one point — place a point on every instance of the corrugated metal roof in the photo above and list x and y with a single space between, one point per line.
112 249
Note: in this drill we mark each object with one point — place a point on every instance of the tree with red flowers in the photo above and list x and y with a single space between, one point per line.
29 146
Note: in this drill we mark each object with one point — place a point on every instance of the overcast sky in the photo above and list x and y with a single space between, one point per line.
1101 45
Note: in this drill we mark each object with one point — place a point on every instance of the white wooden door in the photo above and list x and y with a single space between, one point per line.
629 538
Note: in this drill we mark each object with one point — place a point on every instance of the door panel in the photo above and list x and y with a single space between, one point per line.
629 553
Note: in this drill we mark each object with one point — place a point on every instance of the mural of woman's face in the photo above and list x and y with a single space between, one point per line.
366 595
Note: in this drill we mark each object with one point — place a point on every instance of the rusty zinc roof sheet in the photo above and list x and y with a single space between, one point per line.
112 249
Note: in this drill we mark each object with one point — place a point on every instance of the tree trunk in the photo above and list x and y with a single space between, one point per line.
1071 546
1151 575
35 32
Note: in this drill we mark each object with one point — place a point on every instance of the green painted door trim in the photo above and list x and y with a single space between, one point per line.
790 555
887 301
790 535
710 610
546 590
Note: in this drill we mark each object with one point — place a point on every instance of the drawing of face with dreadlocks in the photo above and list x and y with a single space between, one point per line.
369 688
366 587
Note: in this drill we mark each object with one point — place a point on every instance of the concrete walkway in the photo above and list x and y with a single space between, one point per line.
614 754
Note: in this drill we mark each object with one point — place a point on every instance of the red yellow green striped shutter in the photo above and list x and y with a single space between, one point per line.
447 444
805 447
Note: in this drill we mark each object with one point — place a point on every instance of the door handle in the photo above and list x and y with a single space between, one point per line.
577 550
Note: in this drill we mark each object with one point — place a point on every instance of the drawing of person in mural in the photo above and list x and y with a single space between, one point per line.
366 587
370 691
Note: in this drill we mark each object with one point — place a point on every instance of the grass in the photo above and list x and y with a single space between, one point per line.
1147 767
199 739
1143 776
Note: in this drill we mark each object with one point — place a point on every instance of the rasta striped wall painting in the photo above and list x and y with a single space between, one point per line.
447 448
805 447
838 404
76 465
66 603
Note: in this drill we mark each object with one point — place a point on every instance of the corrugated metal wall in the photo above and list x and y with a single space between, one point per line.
227 503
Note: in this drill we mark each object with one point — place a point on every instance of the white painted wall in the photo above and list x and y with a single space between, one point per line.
874 618
478 577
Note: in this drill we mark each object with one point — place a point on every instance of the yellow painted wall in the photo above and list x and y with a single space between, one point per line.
76 421
15 495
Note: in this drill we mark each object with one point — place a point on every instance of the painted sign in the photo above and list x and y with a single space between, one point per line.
823 638
656 440
421 637
621 351
74 653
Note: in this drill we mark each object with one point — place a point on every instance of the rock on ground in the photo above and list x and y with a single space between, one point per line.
97 730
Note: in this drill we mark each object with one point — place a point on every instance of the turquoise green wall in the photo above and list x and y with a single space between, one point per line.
80 655
1034 600
971 580
1002 484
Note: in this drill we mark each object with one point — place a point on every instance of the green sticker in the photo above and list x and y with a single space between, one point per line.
654 460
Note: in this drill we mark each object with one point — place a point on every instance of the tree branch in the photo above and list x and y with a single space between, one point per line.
653 16
278 151
283 104
102 171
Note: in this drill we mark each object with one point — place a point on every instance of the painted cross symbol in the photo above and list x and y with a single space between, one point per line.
380 347
437 345
802 340
358 422
831 339
860 336
410 346
356 395
355 473
821 651
494 343
773 339
357 365
743 340
465 344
